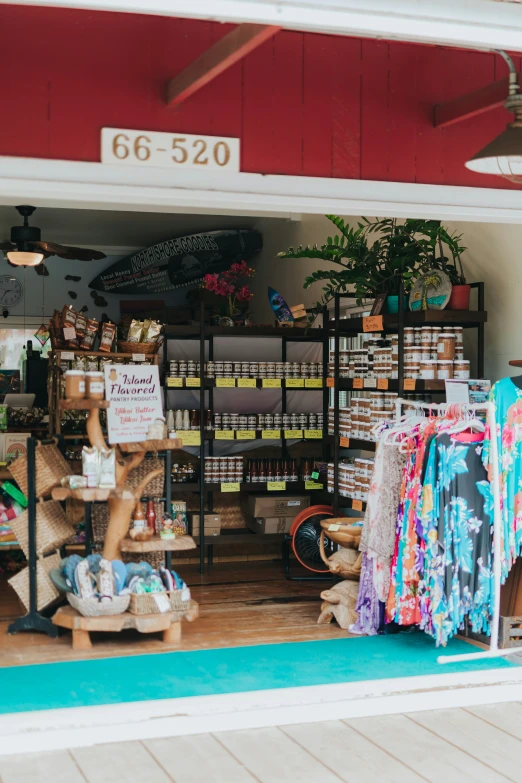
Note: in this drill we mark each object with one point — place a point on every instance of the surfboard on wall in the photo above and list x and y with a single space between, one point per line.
177 263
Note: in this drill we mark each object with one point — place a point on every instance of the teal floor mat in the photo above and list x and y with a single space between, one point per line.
229 670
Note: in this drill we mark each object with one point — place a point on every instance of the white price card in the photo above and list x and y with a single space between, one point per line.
138 357
177 150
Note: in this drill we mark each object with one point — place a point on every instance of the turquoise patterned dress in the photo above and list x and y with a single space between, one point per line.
507 399
456 523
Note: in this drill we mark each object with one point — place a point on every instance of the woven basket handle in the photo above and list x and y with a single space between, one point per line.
321 550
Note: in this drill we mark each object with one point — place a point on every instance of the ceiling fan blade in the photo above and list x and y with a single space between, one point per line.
6 246
41 270
65 251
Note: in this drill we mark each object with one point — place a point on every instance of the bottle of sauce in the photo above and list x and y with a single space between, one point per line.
270 470
262 471
254 472
293 470
278 470
285 471
151 516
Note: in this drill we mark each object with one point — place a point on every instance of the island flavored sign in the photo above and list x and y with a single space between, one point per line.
134 393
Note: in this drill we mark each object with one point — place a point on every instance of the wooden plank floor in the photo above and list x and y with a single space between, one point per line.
243 603
478 743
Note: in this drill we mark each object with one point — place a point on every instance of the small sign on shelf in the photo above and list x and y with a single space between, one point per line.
230 486
358 383
193 383
174 383
270 434
313 485
294 383
313 434
271 383
223 434
225 383
373 323
382 383
245 434
357 505
247 383
313 383
330 382
276 486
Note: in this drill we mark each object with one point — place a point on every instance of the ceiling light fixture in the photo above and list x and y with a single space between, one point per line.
24 258
503 156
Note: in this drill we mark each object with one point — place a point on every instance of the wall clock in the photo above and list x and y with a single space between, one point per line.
11 291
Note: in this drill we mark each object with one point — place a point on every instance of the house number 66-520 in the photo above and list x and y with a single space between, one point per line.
153 148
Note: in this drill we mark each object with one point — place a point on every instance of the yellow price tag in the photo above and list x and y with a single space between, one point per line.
294 383
314 383
193 382
313 434
271 434
245 434
225 383
190 438
223 434
313 485
276 486
247 383
293 433
230 486
174 383
271 383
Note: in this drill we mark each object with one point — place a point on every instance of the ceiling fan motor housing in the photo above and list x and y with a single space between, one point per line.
20 235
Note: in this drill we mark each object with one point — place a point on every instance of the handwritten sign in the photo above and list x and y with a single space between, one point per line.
247 383
358 383
245 434
314 383
276 486
224 434
192 438
313 434
67 356
138 357
312 485
382 383
370 383
225 383
373 323
409 384
293 433
344 443
294 383
193 382
230 486
134 393
174 383
270 434
271 383
357 505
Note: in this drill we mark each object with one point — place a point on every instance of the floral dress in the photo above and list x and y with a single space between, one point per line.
456 516
507 399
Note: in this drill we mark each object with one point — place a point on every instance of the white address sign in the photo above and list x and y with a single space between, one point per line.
179 150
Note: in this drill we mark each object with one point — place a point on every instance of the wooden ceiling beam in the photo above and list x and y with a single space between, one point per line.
221 56
472 104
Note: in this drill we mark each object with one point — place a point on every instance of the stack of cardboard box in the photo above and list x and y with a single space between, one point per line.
273 514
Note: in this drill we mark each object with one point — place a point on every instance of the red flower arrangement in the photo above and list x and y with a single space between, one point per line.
231 284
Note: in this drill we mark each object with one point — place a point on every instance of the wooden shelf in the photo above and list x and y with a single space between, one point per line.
91 495
291 333
157 544
464 318
245 487
166 444
83 405
111 354
347 384
516 362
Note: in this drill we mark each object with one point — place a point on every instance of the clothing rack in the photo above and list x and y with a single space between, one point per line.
466 410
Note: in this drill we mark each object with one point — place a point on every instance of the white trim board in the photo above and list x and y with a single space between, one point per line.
481 24
72 184
85 726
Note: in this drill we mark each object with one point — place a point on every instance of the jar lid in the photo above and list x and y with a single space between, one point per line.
75 372
445 361
94 372
461 361
447 334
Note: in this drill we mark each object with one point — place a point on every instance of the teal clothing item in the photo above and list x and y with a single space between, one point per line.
507 399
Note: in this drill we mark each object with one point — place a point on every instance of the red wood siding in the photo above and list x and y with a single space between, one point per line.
302 103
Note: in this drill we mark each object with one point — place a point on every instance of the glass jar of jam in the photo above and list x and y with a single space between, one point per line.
446 346
75 385
95 385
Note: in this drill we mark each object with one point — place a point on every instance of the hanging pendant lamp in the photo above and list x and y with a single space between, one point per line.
503 155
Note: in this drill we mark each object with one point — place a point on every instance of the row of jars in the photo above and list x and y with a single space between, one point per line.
437 369
181 368
363 414
180 420
183 472
354 478
219 469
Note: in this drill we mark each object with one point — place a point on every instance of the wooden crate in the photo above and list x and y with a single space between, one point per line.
510 632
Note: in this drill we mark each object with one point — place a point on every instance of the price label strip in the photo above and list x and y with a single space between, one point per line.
190 438
225 383
330 382
357 505
409 384
67 356
247 383
294 383
230 486
344 443
271 383
223 434
370 383
314 383
293 434
313 434
313 485
270 434
382 383
358 383
276 486
193 382
245 434
174 383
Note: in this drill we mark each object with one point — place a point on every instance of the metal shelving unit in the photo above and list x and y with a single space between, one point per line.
206 333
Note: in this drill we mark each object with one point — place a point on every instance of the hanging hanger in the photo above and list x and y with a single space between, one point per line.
469 422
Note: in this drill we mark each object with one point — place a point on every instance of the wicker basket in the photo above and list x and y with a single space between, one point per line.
46 591
147 348
91 607
145 603
50 468
155 487
52 530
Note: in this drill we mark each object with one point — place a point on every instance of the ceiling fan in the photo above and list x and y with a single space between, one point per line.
27 249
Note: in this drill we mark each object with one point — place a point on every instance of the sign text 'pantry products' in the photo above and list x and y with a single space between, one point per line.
135 400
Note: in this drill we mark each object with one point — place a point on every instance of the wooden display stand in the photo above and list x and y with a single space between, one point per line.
167 622
122 501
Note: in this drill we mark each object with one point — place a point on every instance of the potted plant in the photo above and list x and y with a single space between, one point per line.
461 290
399 252
232 286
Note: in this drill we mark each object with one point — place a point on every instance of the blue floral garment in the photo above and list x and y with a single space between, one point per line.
507 399
456 522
